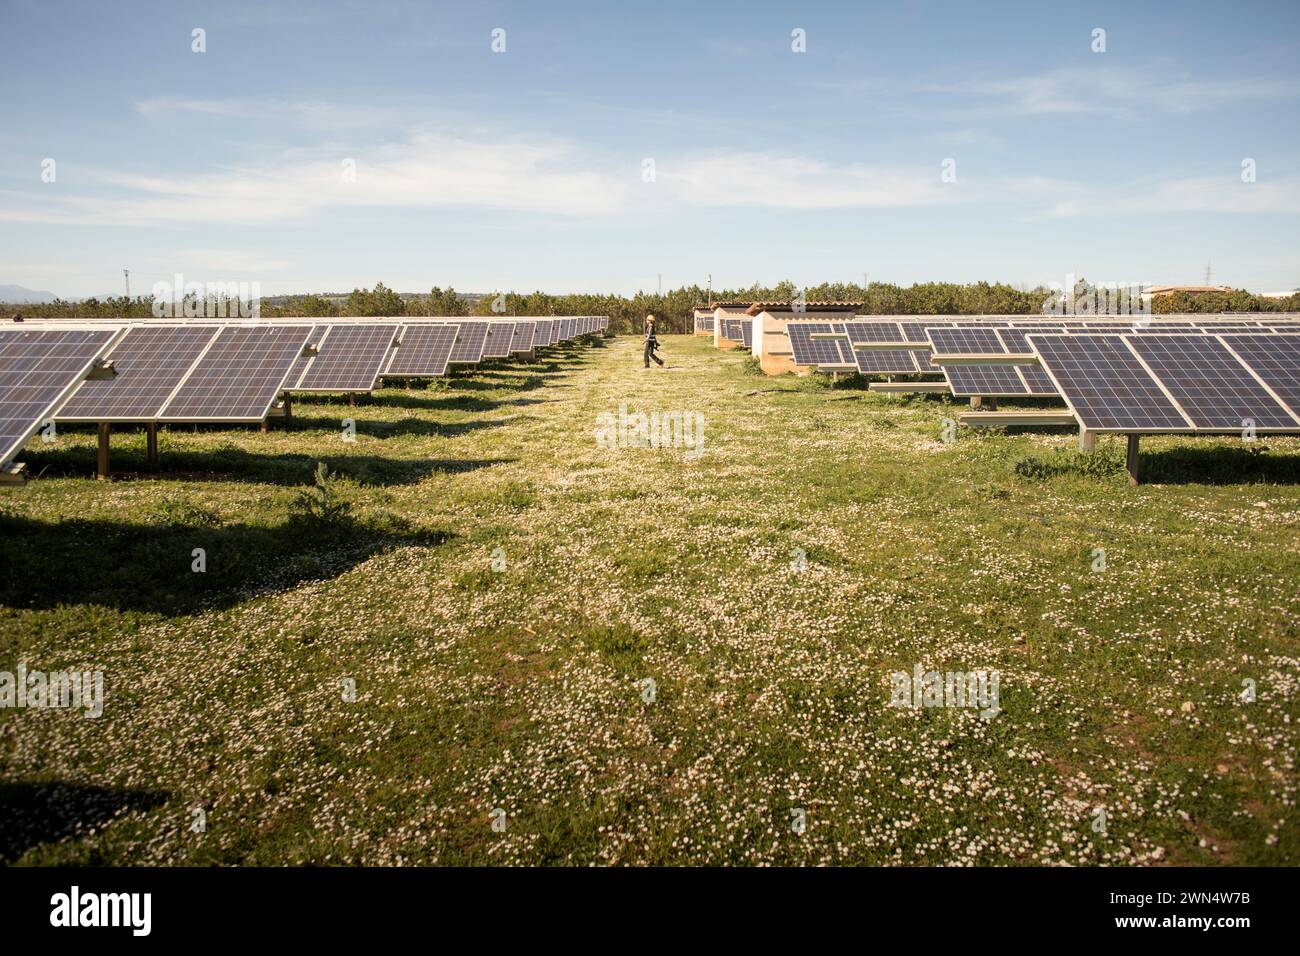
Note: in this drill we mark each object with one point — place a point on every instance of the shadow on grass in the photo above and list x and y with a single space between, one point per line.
229 463
1219 465
485 384
151 567
39 813
1184 465
382 429
445 402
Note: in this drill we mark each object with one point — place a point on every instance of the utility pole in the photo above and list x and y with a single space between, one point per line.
126 273
1207 271
661 283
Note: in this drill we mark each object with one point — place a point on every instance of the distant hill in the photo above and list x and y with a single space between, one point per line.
19 295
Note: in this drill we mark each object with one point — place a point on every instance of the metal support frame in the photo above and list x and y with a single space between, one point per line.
102 471
1131 460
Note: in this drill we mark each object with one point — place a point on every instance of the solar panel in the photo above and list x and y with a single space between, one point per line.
1212 386
300 366
497 342
349 359
1105 385
37 369
240 374
747 334
151 361
964 341
1036 380
990 381
1014 338
1275 359
915 331
884 361
874 332
523 337
424 350
809 348
468 349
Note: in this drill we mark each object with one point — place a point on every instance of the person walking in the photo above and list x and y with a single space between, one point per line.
651 342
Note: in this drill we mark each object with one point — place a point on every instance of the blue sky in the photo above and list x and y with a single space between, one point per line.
524 169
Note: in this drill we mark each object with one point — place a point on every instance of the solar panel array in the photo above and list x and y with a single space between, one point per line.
823 344
38 368
239 376
522 339
470 339
422 350
349 358
203 371
1174 383
1209 383
497 342
151 362
959 340
1275 360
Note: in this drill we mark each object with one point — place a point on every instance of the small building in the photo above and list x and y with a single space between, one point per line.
1155 291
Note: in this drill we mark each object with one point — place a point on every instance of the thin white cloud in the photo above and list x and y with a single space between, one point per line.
565 182
800 182
306 113
425 171
1200 194
217 262
1117 91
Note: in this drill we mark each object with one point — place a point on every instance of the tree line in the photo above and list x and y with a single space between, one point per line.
674 308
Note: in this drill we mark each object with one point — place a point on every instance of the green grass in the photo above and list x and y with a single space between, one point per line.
499 586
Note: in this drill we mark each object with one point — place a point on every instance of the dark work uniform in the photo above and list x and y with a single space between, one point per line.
651 343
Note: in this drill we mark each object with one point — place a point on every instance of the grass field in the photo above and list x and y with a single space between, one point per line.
503 586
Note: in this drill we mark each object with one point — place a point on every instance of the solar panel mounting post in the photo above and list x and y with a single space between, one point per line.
1087 440
151 444
101 461
1131 460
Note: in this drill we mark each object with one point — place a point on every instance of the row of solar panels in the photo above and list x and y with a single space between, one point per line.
737 330
902 348
1134 383
911 329
1212 376
205 372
